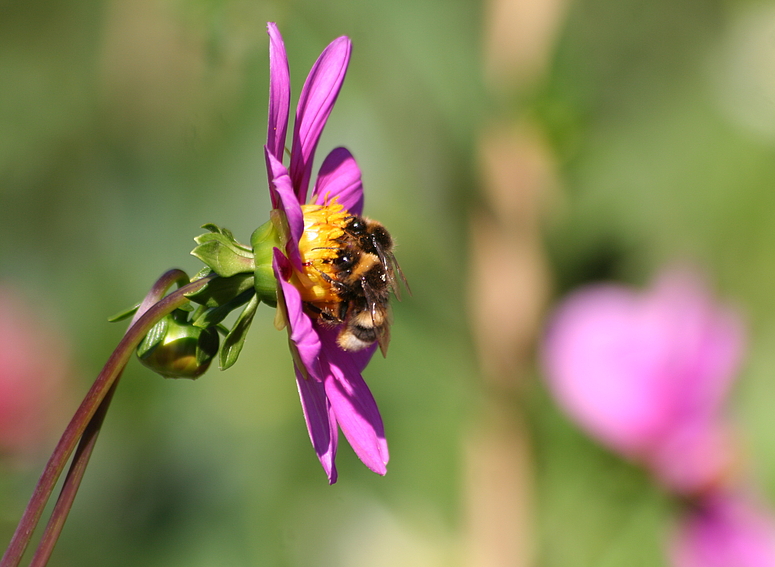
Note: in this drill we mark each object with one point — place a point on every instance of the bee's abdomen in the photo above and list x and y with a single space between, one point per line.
355 337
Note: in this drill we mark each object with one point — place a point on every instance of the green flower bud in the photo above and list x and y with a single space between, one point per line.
264 240
176 348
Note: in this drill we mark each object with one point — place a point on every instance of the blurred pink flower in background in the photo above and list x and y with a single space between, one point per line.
647 374
724 531
34 373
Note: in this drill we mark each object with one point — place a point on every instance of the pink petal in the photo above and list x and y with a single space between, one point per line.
354 406
599 362
321 422
282 191
725 531
359 359
303 334
707 342
315 104
698 456
637 369
305 347
340 177
279 93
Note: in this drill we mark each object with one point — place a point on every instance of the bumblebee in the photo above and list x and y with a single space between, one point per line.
371 237
365 273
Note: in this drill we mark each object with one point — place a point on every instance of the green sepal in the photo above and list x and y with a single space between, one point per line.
214 315
212 227
203 273
126 314
154 337
264 240
219 250
207 347
220 291
235 340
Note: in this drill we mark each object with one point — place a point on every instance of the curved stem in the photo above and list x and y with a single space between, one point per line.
97 393
89 438
72 481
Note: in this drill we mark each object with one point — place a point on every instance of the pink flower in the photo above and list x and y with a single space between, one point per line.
332 391
647 374
724 531
34 370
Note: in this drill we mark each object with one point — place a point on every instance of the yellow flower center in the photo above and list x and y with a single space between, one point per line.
319 247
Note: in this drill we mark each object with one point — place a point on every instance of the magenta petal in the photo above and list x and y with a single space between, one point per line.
359 359
600 364
725 531
694 457
321 423
315 104
282 191
708 341
340 177
355 408
305 347
357 415
303 333
279 93
638 369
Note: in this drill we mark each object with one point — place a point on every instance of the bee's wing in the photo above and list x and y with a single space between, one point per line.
380 317
382 313
392 268
383 339
397 269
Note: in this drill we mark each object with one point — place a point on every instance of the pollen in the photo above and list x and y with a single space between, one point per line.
319 247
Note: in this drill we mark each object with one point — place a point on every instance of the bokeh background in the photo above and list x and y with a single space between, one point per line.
515 148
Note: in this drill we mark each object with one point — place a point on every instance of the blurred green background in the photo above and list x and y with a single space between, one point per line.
125 125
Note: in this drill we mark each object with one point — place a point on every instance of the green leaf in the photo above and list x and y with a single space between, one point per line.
126 314
154 337
220 291
215 315
221 252
225 232
235 340
211 227
207 346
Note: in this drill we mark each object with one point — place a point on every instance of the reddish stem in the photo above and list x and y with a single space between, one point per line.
85 416
72 481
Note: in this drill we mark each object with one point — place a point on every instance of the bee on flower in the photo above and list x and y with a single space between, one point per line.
328 270
335 268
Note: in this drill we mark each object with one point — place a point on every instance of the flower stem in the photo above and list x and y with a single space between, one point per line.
89 438
89 416
72 481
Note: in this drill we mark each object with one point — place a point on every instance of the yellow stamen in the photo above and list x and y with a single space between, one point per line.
319 247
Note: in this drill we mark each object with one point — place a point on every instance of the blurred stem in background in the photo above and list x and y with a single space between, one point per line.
508 282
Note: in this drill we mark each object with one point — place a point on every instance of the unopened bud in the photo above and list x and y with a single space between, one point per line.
176 348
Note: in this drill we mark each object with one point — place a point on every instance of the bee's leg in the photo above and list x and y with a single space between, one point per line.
324 315
338 286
